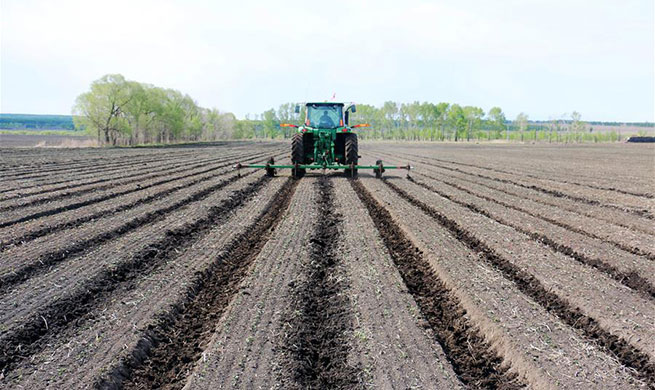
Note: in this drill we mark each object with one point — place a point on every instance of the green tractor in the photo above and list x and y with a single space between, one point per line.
325 140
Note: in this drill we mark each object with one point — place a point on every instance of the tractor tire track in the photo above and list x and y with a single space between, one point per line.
71 309
629 279
472 358
167 353
320 315
623 351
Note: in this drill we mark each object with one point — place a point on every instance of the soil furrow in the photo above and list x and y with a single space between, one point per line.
69 177
631 210
630 279
134 170
628 235
585 232
126 176
475 363
34 335
86 169
624 221
146 174
84 162
91 164
78 248
87 202
321 314
634 193
165 356
68 224
623 351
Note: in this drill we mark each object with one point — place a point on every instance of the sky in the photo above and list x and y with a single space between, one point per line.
546 58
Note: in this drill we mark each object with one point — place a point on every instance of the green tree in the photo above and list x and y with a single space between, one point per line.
101 110
521 122
457 120
473 117
497 120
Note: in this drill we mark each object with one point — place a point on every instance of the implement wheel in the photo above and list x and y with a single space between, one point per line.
270 172
297 155
379 170
351 153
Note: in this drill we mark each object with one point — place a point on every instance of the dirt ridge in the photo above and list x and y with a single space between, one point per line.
643 195
30 338
80 168
167 353
555 193
104 213
623 351
84 246
473 360
561 224
321 318
102 198
621 246
134 170
629 279
112 182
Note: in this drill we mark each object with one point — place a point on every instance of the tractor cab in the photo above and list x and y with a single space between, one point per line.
324 115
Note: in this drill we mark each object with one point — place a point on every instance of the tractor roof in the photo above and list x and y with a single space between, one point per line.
325 104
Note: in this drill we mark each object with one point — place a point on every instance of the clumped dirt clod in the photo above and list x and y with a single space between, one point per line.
317 344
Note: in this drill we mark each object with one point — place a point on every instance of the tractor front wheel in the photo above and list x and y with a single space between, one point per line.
351 153
297 155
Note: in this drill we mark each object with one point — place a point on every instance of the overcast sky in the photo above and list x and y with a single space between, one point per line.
545 58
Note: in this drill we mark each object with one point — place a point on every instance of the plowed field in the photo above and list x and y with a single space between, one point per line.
489 266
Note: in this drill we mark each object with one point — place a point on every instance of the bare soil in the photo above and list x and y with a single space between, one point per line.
492 266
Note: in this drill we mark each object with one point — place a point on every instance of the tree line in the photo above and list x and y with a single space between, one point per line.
122 112
424 121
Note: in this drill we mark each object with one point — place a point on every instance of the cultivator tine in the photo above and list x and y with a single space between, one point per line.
238 168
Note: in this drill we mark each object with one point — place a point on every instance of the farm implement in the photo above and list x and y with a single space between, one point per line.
325 140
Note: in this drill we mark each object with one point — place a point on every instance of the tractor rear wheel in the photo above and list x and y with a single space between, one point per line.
297 154
351 153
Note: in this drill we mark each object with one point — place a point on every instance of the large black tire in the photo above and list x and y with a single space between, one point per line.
297 154
351 153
